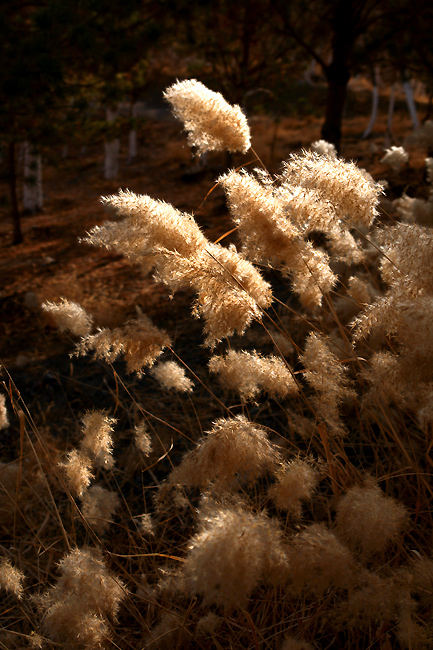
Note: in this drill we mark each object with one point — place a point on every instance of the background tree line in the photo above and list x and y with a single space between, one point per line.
67 66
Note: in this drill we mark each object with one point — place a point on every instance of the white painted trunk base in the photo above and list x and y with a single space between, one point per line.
33 198
132 139
112 150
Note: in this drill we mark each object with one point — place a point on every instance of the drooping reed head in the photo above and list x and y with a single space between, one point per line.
232 552
86 595
4 420
98 507
296 482
318 560
368 520
172 376
395 157
212 123
11 578
97 443
69 316
78 472
234 451
352 193
149 226
249 373
139 341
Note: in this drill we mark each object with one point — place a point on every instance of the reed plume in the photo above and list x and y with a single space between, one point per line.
211 123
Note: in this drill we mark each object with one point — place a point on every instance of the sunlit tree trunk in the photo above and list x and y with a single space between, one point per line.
391 104
410 101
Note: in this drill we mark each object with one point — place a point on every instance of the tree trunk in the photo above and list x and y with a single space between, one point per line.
338 71
33 199
338 76
15 213
388 137
112 150
374 105
410 101
132 140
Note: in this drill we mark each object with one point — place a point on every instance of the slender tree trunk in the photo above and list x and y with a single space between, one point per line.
132 140
112 149
338 71
33 198
410 101
338 77
374 105
15 213
388 137
309 73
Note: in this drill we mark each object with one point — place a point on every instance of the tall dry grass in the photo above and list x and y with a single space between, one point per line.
300 517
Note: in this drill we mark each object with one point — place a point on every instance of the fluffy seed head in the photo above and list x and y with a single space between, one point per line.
296 482
358 290
145 525
208 625
249 373
395 157
211 123
98 507
383 373
374 599
139 341
78 470
4 420
11 578
324 148
97 441
327 376
172 377
368 520
343 184
311 275
414 210
69 316
272 222
267 235
233 551
318 560
233 451
66 622
84 572
77 607
407 265
322 368
231 292
149 226
142 439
